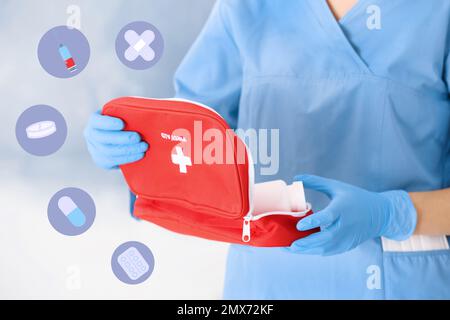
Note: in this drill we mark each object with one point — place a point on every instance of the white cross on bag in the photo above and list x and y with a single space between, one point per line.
180 159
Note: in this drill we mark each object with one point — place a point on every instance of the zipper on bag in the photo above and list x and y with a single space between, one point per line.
246 225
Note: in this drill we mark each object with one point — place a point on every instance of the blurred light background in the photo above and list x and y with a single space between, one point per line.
36 261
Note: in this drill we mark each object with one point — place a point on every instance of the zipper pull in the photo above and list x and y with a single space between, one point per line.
246 229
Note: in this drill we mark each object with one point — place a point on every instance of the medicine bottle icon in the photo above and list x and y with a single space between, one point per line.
66 56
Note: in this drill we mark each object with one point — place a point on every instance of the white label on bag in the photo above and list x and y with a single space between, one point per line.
172 137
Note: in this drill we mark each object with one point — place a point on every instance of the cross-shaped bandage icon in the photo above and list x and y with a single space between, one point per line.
140 45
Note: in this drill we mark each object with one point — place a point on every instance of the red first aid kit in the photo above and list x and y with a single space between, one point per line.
197 177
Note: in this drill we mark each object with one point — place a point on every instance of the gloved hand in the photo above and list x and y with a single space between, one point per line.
353 216
109 146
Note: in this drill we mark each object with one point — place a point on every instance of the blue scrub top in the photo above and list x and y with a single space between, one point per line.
355 100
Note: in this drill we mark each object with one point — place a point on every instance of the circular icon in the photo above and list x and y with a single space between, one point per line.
132 262
139 45
41 130
71 211
64 52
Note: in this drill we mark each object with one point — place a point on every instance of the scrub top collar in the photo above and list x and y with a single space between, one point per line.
332 27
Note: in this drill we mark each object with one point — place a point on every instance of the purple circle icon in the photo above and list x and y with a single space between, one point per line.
132 262
139 45
71 211
41 130
64 52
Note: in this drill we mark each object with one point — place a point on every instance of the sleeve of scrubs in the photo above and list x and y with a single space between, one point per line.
447 73
211 72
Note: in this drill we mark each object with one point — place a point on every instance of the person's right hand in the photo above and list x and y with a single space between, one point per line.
109 145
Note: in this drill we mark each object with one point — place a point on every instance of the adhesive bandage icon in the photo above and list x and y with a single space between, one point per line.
40 130
73 213
133 263
140 45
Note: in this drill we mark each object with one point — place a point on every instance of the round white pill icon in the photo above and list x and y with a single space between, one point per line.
70 209
40 130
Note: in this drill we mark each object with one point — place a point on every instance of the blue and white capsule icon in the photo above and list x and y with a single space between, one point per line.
73 213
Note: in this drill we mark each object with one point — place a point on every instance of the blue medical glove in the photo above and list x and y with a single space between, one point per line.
353 216
109 146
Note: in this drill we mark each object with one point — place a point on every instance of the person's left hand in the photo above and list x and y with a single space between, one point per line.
353 216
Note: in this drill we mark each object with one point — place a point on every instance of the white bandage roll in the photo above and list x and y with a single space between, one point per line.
276 195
